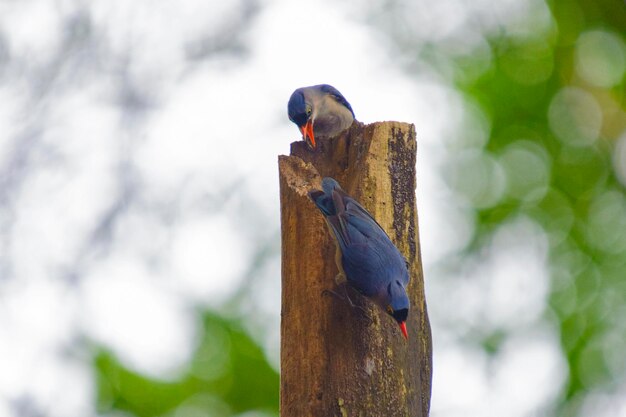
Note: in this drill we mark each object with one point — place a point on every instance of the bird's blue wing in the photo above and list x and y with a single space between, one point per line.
369 226
348 223
365 268
369 258
329 89
378 243
363 218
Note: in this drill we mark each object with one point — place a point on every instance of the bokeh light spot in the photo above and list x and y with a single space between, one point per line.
606 228
600 58
619 159
527 171
203 405
575 117
478 177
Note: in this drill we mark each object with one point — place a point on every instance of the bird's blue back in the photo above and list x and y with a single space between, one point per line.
329 89
369 258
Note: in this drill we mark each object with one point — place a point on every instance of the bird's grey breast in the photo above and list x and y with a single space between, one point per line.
331 117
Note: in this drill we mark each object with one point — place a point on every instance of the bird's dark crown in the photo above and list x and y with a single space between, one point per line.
398 301
400 315
297 108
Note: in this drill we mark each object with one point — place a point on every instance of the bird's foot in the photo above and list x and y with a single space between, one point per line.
340 278
347 298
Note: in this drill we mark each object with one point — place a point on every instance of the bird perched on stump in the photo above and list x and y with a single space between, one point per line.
367 258
319 110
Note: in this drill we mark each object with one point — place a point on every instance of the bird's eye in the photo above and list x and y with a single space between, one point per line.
308 110
389 310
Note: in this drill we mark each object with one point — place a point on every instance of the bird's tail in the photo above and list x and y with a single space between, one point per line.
324 199
331 201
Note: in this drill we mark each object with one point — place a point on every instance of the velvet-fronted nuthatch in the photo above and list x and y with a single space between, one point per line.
368 259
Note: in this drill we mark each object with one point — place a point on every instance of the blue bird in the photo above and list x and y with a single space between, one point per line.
319 110
367 258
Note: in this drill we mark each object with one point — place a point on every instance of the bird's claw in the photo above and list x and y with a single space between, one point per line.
327 292
350 302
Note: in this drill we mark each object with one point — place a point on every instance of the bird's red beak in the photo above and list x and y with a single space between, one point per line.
307 133
403 328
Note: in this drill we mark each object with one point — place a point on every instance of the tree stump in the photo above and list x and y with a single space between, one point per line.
337 360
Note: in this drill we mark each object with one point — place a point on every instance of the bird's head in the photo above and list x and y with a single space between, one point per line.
322 104
398 305
300 112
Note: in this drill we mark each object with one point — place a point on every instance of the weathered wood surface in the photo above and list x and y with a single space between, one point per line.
334 360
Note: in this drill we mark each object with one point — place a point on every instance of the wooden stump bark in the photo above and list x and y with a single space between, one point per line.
337 360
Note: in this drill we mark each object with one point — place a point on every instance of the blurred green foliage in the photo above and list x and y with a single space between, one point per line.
554 106
228 375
